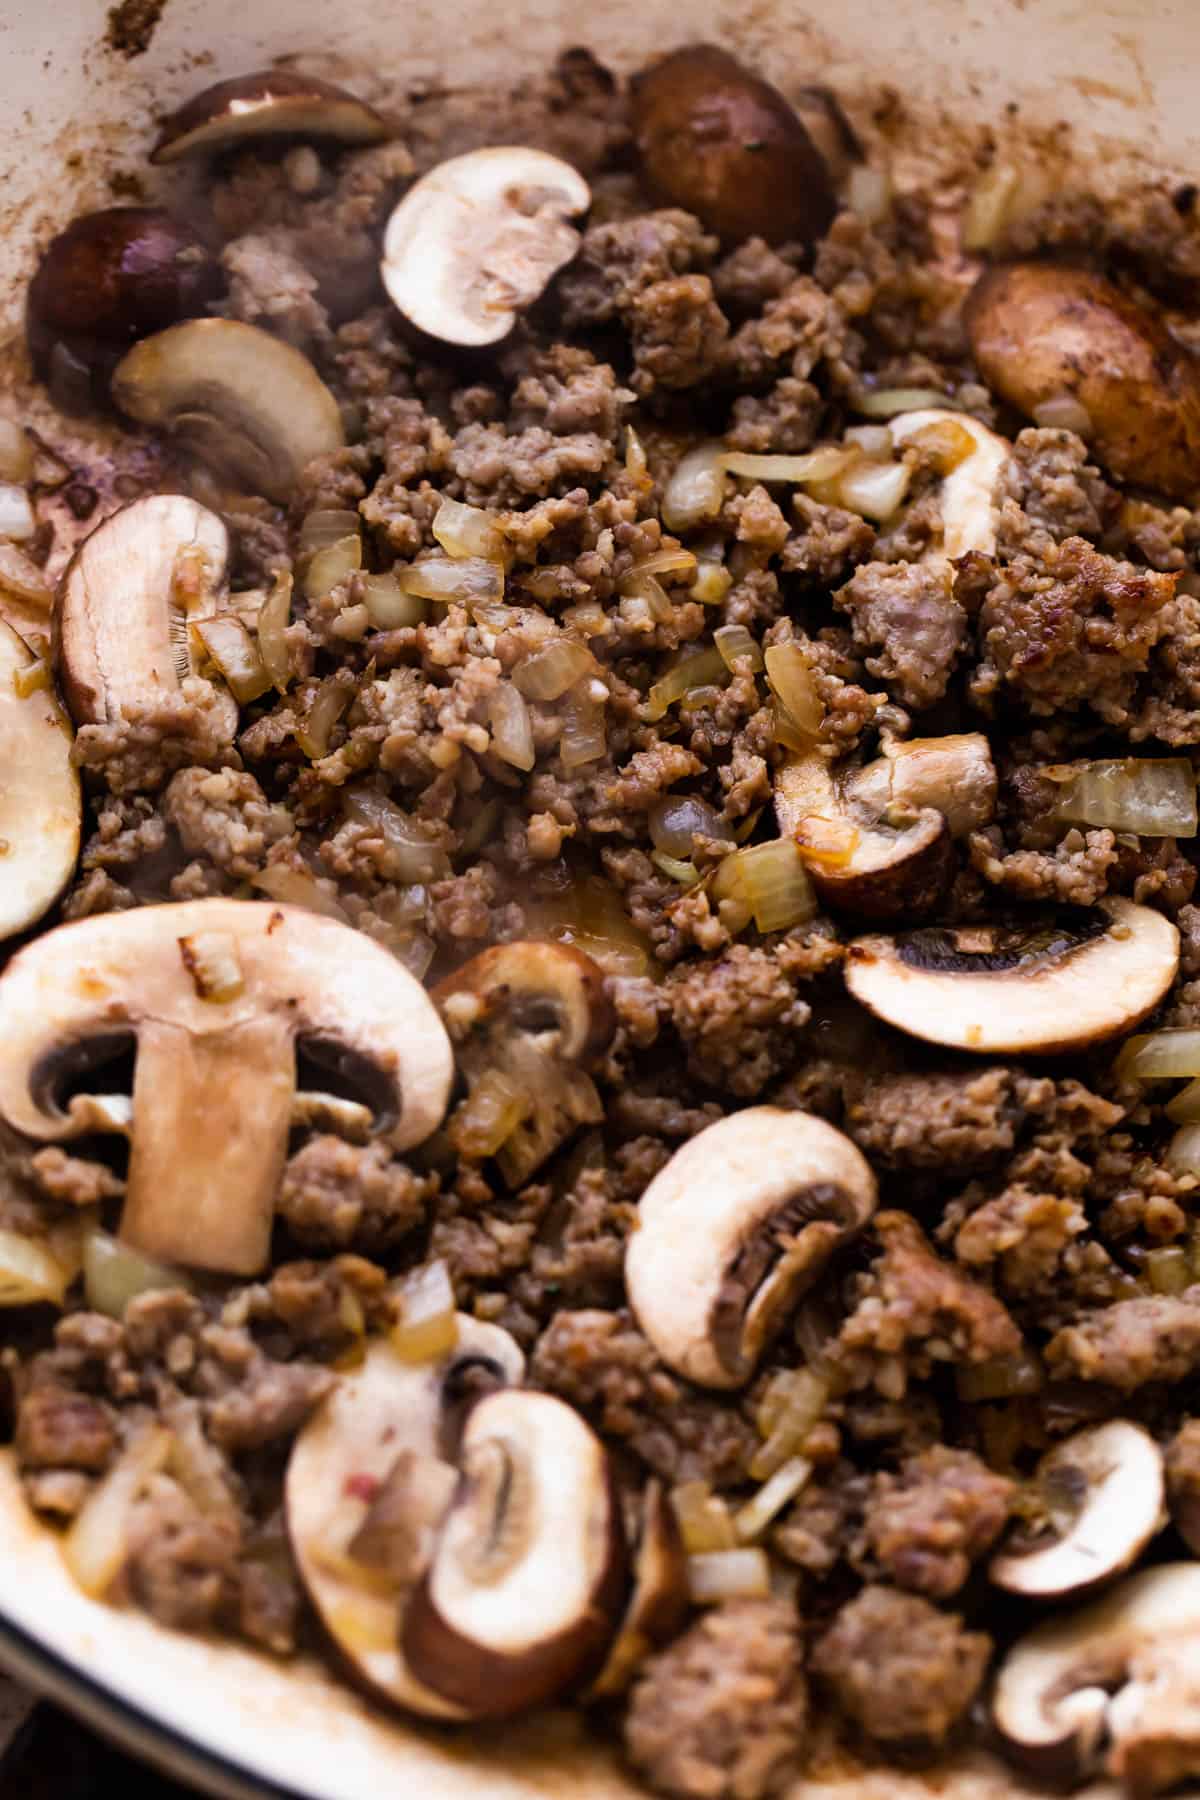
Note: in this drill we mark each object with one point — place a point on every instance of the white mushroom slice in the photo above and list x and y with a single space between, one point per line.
477 240
740 1222
969 493
1108 1482
127 599
1049 985
215 1075
955 774
41 807
380 1438
1120 1671
237 397
266 103
528 1574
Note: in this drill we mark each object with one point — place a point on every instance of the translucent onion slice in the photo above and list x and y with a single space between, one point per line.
548 673
95 1547
426 1325
23 579
114 1274
30 1272
1183 1152
676 868
584 734
389 606
776 885
792 1404
468 579
695 491
1155 798
650 589
665 562
791 681
872 440
489 1115
332 565
16 452
728 1575
16 513
713 582
324 710
875 490
328 525
1001 1377
678 818
227 643
511 727
868 192
889 403
1158 1055
417 857
298 887
727 890
464 531
1169 1269
815 465
988 206
274 617
698 670
1184 1109
735 643
776 1493
705 1522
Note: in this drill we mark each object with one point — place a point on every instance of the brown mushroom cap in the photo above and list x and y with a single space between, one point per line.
41 807
1050 984
740 1222
266 103
215 995
658 1604
527 1578
126 599
236 397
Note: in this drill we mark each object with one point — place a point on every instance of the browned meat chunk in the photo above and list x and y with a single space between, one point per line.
335 1194
1156 1338
909 625
58 1428
900 1668
928 1523
182 1563
943 1122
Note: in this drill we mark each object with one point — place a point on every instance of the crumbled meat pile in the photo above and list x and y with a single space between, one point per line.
530 759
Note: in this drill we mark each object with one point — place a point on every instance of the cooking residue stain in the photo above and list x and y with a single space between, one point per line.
132 24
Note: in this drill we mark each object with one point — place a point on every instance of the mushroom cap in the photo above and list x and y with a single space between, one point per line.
477 240
351 1445
1054 1693
266 103
41 806
527 1578
534 988
1119 1468
120 633
969 493
954 773
238 397
739 1223
1028 989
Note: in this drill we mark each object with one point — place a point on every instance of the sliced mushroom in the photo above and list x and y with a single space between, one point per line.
864 852
236 397
527 1578
659 1602
969 493
527 1020
368 1486
740 1222
215 996
1111 1686
41 808
1103 1488
1032 987
266 103
131 591
955 774
477 240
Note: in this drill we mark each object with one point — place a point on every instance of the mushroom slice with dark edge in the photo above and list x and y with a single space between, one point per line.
131 591
215 996
1103 1490
41 808
369 1481
659 1602
527 1021
864 853
266 103
740 1222
477 240
236 397
527 1579
1031 987
1111 1687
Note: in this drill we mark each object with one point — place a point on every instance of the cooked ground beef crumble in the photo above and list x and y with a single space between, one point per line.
1030 1269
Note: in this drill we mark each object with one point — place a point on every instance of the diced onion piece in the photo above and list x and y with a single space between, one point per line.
734 642
727 889
1064 412
389 607
30 1273
778 891
586 619
783 1486
16 512
548 673
114 1274
791 1406
426 1327
947 443
591 915
686 873
868 192
721 1575
1001 1377
889 403
788 733
33 678
227 643
298 887
814 465
511 727
324 710
1158 1055
1185 1107
328 525
16 452
1154 797
415 949
989 205
874 489
678 818
333 565
665 562
705 1522
649 588
467 531
23 579
1183 1152
791 681
698 670
872 440
95 1547
416 855
584 735
713 581
468 579
1169 1269
274 617
695 493
489 1115
826 843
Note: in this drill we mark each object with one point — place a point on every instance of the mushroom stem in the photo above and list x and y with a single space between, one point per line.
210 1129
